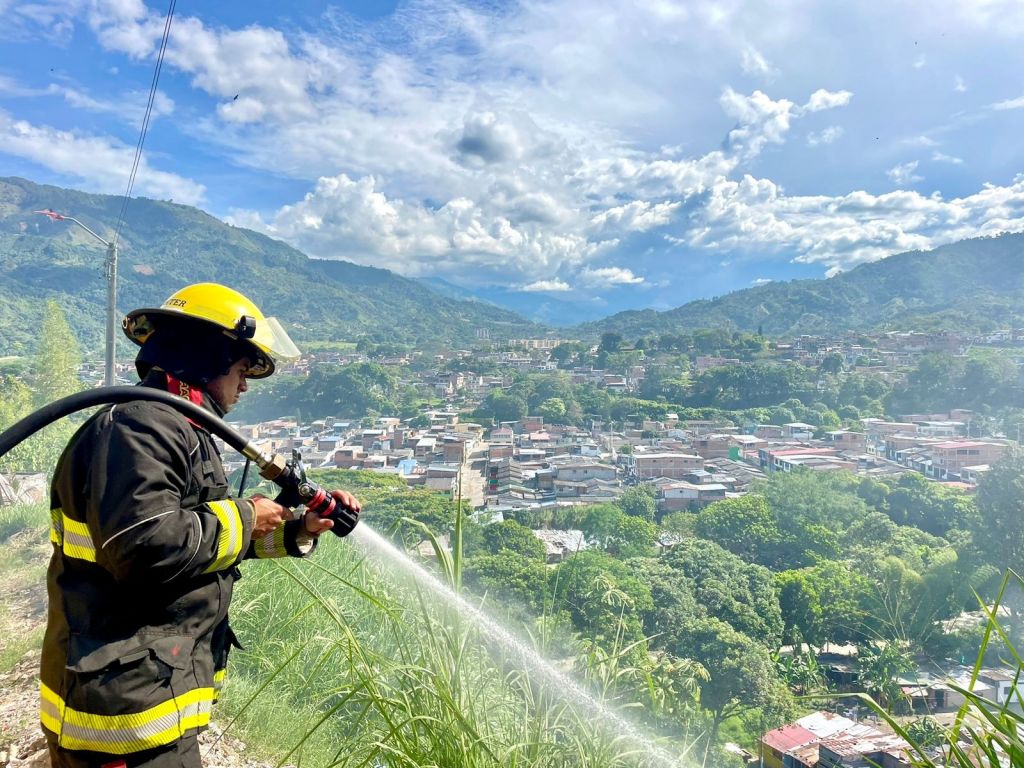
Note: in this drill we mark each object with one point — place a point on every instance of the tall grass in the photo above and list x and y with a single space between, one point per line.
370 671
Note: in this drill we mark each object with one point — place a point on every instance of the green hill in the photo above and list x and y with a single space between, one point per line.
164 246
971 285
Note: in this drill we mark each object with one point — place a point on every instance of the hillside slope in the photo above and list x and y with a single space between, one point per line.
971 285
164 246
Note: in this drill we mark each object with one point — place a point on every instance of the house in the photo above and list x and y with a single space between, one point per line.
585 471
714 446
828 740
679 494
797 430
847 440
559 545
950 457
645 466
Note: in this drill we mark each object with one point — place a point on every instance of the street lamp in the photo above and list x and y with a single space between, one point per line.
111 270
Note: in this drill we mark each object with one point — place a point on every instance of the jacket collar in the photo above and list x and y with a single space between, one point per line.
159 379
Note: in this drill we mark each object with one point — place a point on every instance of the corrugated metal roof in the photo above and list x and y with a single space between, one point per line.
788 737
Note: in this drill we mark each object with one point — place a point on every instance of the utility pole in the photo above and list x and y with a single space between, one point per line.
111 274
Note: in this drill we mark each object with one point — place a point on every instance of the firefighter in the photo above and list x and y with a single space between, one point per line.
147 542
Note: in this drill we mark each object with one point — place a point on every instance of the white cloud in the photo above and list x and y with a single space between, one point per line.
920 62
103 162
940 157
761 281
453 139
753 62
754 216
823 99
1017 103
903 175
604 277
351 218
959 85
130 106
825 136
637 216
552 286
761 119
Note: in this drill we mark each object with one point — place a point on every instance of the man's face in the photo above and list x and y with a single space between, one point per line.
228 387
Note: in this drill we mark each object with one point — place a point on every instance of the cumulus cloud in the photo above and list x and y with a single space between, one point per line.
556 285
825 136
761 281
353 219
637 216
467 139
754 215
959 85
823 99
604 277
761 120
904 174
104 162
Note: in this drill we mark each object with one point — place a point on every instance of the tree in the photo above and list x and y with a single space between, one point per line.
553 410
573 584
727 588
746 527
502 406
53 374
998 529
879 668
508 576
638 501
832 363
632 537
513 537
55 364
610 342
742 676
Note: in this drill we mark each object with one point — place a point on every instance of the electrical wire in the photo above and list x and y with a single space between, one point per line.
145 120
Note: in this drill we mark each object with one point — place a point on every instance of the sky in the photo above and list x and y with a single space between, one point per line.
609 154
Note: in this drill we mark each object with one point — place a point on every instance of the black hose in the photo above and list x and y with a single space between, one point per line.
82 400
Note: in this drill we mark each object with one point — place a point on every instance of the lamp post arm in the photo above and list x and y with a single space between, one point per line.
72 218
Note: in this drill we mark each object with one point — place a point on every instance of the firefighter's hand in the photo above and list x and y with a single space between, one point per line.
316 525
269 516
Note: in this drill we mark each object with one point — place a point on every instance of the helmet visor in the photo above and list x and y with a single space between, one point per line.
277 341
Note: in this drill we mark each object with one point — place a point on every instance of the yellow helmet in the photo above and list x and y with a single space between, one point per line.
235 315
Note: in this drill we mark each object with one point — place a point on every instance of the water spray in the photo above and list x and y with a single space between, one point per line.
654 755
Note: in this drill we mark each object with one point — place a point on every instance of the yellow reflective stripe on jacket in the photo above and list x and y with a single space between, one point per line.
57 526
123 734
271 545
71 536
229 539
218 682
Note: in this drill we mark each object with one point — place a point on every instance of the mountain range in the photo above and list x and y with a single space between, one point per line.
972 285
164 246
975 284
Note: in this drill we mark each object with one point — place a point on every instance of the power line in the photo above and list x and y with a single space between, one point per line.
145 120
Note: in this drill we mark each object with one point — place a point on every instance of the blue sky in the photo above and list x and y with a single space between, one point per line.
610 154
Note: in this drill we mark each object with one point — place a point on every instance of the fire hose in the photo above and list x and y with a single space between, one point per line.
288 474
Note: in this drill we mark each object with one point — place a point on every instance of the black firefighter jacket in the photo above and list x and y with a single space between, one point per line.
146 543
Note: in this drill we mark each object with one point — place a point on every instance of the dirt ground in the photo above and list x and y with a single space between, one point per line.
22 618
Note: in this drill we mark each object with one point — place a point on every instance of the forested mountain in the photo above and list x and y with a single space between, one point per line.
164 246
971 285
